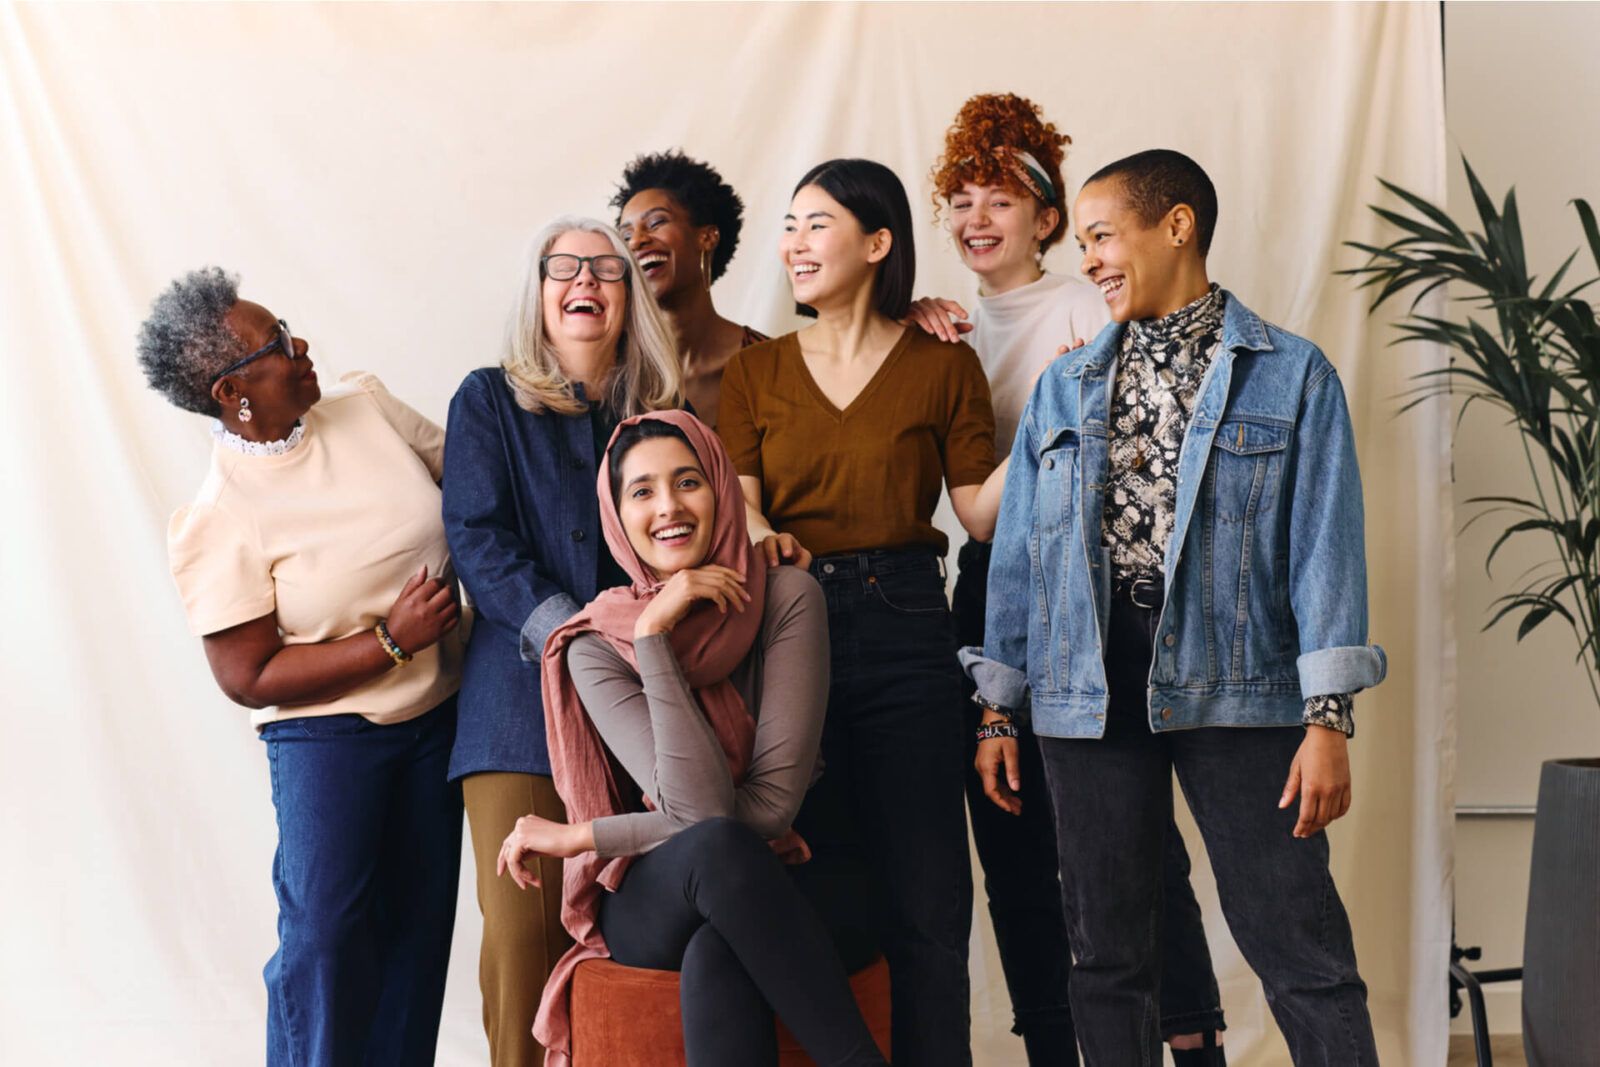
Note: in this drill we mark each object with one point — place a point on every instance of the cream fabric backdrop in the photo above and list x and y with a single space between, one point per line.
374 172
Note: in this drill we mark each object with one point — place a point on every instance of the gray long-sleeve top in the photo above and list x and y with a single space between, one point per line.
651 724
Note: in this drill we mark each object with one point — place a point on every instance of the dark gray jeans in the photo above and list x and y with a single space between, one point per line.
1018 853
1113 799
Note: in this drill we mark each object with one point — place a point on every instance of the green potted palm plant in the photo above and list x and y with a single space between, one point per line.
1532 350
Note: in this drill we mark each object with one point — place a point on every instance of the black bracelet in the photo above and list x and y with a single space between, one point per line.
1004 728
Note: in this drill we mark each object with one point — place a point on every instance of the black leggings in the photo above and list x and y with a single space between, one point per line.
717 905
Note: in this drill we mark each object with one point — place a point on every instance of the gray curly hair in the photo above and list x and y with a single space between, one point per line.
184 342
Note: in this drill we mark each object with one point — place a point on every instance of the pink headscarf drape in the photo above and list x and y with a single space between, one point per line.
708 644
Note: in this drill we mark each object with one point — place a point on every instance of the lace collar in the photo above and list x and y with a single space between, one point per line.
233 442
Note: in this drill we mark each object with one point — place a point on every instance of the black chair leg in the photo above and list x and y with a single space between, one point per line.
1480 1014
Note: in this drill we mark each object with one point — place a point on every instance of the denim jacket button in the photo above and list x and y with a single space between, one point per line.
1169 640
1050 463
827 568
1166 713
577 535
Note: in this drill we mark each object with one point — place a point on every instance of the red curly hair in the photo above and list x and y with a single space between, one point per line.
976 151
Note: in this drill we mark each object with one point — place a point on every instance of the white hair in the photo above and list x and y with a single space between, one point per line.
649 371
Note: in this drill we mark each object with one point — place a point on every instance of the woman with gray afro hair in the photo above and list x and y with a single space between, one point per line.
313 566
184 341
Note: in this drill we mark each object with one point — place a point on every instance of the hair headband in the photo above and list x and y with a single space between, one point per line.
1027 170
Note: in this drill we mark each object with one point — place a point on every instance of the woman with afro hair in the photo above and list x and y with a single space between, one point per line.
999 189
681 222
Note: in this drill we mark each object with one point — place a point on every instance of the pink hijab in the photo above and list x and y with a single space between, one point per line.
708 644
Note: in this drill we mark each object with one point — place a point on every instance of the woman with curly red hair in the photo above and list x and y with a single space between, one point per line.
999 188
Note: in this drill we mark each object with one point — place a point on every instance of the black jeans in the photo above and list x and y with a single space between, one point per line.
1277 894
889 802
1020 877
715 904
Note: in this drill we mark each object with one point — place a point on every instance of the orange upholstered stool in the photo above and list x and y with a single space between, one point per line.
629 1017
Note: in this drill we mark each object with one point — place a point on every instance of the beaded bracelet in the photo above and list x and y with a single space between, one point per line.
400 656
990 730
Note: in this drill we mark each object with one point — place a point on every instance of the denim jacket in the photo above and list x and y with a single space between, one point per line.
523 521
1266 582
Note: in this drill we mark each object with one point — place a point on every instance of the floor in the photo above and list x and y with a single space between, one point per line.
1506 1048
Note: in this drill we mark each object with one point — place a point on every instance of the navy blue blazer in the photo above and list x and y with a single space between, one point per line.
523 521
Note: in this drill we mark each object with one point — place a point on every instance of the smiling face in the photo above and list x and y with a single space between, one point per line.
667 506
666 243
278 388
583 310
997 230
827 255
1138 267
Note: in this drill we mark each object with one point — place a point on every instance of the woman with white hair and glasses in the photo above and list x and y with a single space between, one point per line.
314 566
587 347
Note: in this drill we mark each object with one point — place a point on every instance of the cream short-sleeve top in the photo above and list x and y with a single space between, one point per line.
325 536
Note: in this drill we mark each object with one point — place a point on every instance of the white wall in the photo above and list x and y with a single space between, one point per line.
1523 103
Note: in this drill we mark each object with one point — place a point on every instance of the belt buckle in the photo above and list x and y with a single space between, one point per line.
1139 588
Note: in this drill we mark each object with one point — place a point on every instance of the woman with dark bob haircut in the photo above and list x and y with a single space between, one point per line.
682 223
313 566
843 434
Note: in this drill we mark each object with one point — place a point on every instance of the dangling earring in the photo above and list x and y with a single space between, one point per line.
705 267
244 409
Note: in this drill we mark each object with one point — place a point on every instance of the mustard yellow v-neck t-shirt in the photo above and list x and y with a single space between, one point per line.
866 477
324 536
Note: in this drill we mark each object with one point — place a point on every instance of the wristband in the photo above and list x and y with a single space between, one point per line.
400 656
990 731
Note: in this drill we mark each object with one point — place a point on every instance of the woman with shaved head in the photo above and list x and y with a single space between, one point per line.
1185 502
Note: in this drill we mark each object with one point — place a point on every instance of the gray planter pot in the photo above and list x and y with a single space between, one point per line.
1561 950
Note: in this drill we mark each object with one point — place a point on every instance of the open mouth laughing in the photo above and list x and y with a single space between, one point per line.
674 536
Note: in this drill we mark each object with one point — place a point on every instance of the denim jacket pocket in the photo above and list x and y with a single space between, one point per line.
1249 457
1057 488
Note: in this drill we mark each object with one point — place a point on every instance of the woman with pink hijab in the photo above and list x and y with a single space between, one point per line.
705 681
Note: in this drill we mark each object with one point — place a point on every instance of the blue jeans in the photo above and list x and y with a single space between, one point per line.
891 799
369 848
1113 804
1020 879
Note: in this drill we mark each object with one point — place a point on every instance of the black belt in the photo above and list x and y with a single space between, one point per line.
1142 590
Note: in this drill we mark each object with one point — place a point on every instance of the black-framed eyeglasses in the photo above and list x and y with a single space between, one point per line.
284 341
563 266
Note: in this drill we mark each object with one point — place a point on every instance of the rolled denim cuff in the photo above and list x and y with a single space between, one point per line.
542 622
1347 669
996 682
